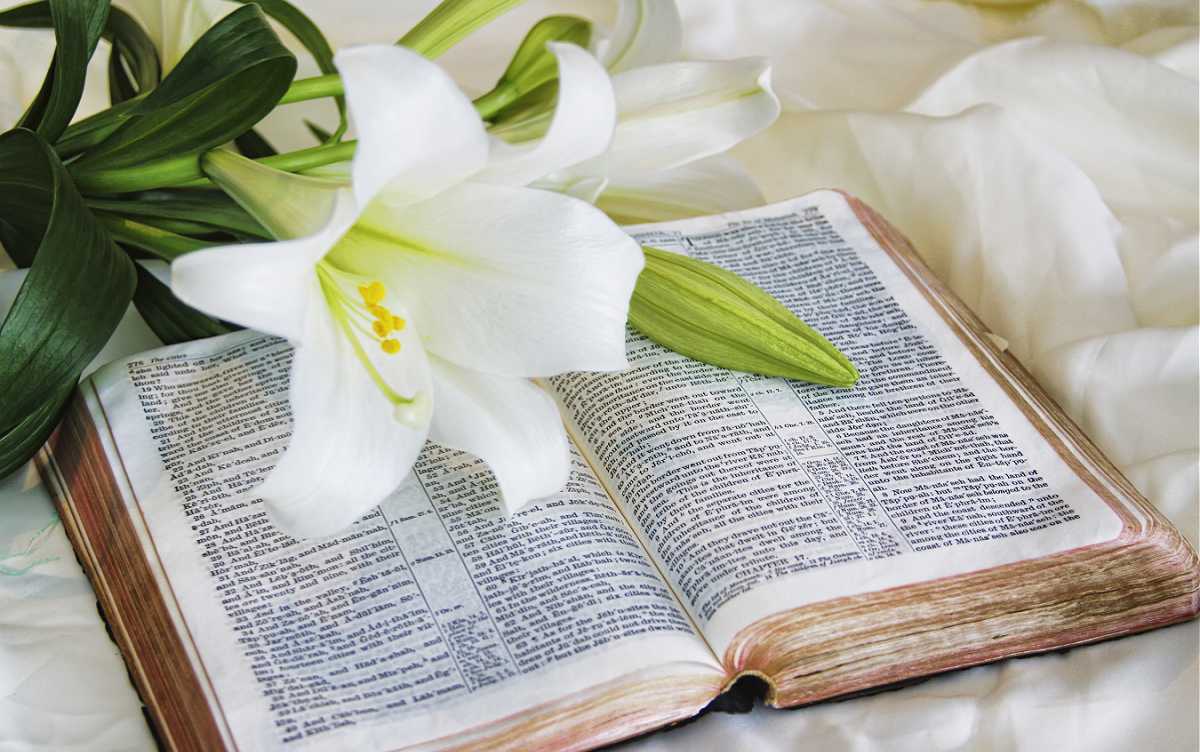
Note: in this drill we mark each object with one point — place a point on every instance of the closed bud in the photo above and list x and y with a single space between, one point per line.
712 315
289 206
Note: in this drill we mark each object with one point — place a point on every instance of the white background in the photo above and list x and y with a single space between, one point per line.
1043 158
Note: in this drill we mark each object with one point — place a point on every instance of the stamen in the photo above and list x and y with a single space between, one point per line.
352 317
372 294
397 323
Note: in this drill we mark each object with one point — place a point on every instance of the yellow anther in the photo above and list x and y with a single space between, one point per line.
390 346
373 293
379 312
397 323
380 328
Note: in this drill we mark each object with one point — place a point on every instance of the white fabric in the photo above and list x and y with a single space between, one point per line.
1043 158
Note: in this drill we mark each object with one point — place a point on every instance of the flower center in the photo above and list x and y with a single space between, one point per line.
364 318
383 323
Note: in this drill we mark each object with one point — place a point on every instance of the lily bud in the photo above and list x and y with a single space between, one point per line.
712 315
534 65
289 206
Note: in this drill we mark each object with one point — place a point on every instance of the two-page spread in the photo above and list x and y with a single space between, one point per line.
706 513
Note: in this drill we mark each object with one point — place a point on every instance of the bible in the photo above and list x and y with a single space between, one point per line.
716 526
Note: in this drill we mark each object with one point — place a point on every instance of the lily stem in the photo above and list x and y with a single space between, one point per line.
317 87
185 172
330 85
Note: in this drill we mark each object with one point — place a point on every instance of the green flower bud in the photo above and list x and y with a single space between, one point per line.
712 315
533 65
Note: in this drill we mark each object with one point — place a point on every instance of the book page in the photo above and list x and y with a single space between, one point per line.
759 495
432 614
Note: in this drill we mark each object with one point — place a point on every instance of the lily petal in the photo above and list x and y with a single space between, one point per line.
647 32
264 286
348 449
583 188
511 424
708 186
676 113
417 132
509 281
582 127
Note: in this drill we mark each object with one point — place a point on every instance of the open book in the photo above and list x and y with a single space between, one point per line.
717 525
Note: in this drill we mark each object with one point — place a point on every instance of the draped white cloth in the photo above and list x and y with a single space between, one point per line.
1041 156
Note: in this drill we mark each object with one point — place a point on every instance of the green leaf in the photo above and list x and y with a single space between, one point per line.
228 81
167 317
450 22
164 244
533 64
210 207
133 64
527 117
251 144
77 28
29 16
309 35
319 133
84 134
78 287
120 85
713 315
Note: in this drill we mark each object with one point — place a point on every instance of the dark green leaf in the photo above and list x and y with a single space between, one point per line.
309 35
318 132
133 65
183 227
77 28
253 146
29 16
163 244
78 287
133 61
212 208
228 81
84 134
170 319
120 85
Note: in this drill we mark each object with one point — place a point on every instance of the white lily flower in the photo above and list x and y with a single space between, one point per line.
420 301
674 120
647 32
175 25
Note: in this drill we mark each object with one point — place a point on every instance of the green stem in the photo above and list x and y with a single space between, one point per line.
161 174
318 87
316 156
185 172
168 246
